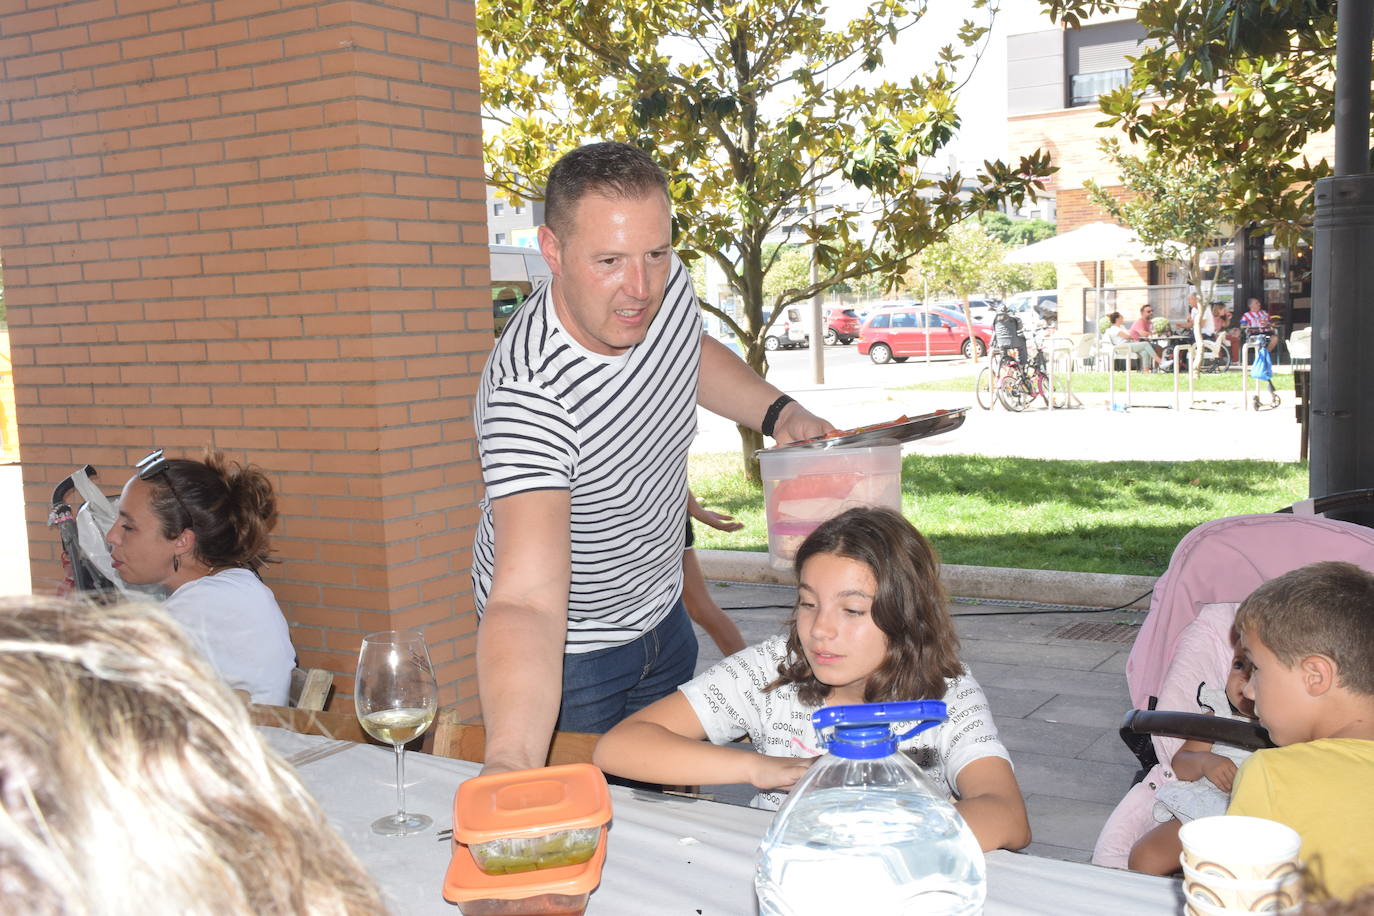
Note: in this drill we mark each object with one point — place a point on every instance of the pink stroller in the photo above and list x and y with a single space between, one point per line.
1185 640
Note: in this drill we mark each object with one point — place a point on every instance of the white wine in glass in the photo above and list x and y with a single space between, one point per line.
396 697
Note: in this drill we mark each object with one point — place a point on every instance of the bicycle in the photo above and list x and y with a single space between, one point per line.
1019 383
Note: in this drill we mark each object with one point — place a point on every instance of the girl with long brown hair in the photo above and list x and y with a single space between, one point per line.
871 626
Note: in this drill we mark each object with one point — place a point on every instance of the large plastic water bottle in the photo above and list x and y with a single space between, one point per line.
865 831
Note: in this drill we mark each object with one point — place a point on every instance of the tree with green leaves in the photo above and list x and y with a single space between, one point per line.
1017 233
1239 83
754 108
971 259
791 270
1171 199
967 260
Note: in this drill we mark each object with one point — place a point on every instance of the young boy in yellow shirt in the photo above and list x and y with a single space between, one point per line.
1310 636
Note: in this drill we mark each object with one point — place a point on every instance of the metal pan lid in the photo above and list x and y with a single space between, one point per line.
903 429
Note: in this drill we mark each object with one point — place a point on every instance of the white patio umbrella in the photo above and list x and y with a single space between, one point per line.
1092 242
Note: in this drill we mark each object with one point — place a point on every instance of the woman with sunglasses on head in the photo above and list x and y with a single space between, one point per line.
200 529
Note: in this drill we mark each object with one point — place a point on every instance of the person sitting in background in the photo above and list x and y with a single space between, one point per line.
1117 336
1227 335
1257 322
131 781
1141 328
200 529
1309 637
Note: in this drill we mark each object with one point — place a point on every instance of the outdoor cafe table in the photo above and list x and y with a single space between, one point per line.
666 854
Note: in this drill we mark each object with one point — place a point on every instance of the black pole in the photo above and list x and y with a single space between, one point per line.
1354 32
1342 423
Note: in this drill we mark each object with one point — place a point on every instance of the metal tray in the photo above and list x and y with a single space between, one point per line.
929 424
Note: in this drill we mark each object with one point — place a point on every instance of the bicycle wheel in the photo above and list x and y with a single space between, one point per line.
1042 387
982 388
1011 391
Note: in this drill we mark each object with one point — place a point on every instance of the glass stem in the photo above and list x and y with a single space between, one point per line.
400 782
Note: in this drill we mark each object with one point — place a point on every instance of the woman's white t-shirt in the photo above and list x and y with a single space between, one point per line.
729 701
234 620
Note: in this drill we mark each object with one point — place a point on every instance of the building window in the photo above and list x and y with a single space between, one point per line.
500 238
497 209
519 209
1098 58
1084 88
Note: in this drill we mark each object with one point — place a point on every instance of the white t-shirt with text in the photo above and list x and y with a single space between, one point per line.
729 701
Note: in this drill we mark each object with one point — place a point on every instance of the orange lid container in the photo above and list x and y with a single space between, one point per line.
561 890
530 803
529 841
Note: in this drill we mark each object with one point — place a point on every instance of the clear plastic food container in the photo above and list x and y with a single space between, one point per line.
528 842
559 891
803 487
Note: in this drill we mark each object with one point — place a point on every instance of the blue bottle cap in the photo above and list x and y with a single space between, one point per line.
863 731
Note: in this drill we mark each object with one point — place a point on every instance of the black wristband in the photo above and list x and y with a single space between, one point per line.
770 417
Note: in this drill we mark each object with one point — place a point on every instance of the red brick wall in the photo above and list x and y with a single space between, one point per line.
259 225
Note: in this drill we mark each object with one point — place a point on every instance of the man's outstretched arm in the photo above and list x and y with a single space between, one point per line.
728 387
520 639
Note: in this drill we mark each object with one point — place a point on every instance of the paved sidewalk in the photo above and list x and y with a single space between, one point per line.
1057 696
1151 430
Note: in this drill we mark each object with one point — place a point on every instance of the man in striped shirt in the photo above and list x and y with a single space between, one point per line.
586 411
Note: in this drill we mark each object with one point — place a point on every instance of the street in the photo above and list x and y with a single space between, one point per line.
857 392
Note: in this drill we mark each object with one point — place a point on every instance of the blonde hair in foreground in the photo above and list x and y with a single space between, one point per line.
131 780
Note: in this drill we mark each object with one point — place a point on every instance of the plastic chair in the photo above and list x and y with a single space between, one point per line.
1085 352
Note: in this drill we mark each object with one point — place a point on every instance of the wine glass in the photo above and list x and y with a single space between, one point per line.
396 697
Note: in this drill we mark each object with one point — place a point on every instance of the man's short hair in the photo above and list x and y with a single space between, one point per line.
1320 609
616 170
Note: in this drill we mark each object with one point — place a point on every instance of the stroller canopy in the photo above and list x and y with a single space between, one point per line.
1223 561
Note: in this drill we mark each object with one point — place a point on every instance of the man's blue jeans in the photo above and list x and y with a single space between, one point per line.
602 687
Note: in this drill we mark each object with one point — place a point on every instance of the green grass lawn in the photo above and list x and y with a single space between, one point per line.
1085 516
1088 382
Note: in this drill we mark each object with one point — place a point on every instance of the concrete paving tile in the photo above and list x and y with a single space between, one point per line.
1012 702
1077 656
1116 664
1035 735
1109 748
1053 680
1011 629
1098 712
1082 780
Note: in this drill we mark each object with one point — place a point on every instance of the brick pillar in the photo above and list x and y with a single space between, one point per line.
259 225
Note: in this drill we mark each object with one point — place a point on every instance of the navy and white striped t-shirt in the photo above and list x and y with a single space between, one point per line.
614 431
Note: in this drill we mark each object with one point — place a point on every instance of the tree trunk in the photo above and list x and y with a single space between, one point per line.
751 440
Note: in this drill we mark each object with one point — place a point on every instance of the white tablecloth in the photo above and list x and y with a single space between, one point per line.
666 855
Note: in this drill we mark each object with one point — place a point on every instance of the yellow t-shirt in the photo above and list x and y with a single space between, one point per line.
1322 789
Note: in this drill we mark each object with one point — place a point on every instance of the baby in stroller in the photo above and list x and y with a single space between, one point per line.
1204 771
1186 640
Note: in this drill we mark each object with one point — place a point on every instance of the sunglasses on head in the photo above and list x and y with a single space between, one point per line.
151 466
154 464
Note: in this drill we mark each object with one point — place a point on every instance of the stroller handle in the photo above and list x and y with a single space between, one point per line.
59 492
1196 726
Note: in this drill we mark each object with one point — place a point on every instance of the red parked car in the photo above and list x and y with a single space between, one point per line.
841 326
894 334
